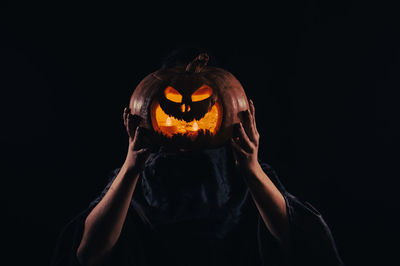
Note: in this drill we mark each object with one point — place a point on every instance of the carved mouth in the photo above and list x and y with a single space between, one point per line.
170 126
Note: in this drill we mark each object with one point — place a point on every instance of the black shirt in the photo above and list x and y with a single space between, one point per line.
193 208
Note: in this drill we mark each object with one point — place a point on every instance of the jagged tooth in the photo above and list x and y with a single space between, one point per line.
174 117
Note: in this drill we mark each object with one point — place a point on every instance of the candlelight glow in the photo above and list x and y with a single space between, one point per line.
168 122
195 126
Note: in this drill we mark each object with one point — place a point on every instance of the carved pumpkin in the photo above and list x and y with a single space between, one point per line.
190 106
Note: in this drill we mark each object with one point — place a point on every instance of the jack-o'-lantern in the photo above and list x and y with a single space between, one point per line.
190 106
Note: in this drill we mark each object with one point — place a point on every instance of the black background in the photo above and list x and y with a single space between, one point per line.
323 76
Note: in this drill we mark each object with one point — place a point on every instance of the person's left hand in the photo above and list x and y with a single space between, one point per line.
245 142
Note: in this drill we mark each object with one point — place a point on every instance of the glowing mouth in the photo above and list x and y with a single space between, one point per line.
170 126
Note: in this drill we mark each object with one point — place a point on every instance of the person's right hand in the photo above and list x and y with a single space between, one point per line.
139 149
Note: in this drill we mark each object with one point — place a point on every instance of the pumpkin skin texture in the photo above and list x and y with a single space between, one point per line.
192 106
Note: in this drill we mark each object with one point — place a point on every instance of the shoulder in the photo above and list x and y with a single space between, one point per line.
265 166
272 174
269 170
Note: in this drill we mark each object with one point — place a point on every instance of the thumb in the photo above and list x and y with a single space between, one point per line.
143 154
143 151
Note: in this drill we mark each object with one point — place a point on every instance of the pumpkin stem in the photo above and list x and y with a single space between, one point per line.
198 63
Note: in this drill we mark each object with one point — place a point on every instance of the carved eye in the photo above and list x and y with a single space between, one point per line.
173 95
202 93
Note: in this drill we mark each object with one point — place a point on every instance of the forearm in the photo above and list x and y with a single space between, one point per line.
270 203
104 223
268 199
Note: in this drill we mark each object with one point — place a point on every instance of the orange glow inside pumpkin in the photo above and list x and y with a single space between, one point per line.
202 93
173 95
170 126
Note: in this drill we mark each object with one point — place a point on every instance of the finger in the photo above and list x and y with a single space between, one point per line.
237 147
234 152
142 155
134 120
142 138
135 138
143 151
252 109
125 115
253 112
133 123
248 125
244 140
129 125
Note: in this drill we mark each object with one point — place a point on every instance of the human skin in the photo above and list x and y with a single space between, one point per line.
104 223
269 201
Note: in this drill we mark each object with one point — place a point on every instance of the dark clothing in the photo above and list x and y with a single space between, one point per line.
193 208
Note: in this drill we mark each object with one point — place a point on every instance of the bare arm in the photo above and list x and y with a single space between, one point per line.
268 199
104 223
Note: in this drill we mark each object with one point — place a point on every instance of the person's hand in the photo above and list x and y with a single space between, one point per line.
245 142
139 148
